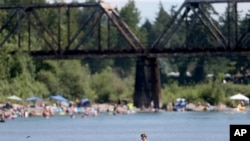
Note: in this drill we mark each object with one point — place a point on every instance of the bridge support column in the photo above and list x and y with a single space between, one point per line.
147 83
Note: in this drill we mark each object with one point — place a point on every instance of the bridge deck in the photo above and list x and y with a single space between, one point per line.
215 1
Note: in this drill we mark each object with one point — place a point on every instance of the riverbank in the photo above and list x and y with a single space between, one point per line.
12 111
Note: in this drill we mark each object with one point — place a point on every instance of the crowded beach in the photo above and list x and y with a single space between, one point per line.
15 107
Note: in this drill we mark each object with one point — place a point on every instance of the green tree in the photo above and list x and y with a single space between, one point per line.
21 80
69 78
131 15
109 87
4 65
199 37
239 64
148 27
161 20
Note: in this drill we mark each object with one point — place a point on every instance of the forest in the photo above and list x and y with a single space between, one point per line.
204 78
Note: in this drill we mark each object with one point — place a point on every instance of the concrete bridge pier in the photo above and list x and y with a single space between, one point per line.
147 83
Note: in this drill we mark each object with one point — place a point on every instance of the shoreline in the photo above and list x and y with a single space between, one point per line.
95 109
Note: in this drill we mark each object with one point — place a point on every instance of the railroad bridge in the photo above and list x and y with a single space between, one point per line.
98 27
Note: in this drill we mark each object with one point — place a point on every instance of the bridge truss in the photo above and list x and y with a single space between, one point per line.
99 24
97 27
223 44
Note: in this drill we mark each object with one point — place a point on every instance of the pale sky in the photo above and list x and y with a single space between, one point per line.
150 8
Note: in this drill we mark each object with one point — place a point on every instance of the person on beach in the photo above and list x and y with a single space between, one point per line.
144 137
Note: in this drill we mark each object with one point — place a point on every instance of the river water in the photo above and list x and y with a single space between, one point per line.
164 126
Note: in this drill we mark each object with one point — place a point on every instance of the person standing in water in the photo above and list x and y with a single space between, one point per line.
72 110
2 119
144 137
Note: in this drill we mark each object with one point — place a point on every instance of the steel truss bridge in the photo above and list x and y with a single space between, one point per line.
101 27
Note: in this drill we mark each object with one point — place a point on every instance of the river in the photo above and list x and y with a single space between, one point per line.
163 126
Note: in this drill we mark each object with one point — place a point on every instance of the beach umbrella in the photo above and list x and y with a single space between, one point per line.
13 97
59 98
239 96
33 99
85 102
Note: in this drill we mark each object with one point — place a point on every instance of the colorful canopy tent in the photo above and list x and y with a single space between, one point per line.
239 96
